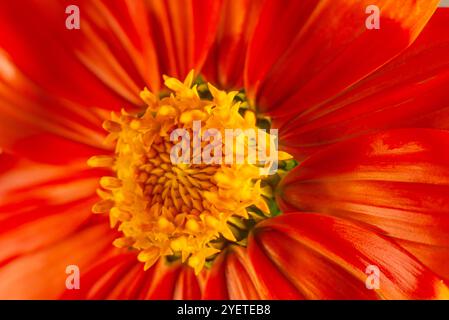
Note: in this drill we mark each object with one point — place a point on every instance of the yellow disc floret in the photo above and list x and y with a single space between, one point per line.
175 209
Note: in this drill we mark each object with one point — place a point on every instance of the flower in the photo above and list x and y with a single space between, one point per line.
363 112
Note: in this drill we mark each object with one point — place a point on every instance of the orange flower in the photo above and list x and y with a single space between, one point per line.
363 112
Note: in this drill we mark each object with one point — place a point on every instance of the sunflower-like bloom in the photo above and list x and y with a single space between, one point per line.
87 181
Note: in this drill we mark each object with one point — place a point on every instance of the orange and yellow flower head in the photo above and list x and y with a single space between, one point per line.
115 163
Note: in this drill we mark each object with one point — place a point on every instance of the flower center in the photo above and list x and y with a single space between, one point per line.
190 205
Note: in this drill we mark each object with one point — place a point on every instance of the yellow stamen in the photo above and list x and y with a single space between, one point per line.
112 126
110 183
103 206
163 208
101 162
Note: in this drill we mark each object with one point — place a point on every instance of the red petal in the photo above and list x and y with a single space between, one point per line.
101 276
28 185
216 287
131 283
7 161
37 228
434 257
50 148
184 33
42 274
234 276
60 60
227 57
120 276
42 204
272 282
38 126
410 91
239 273
326 258
240 277
396 182
120 47
187 285
162 283
323 47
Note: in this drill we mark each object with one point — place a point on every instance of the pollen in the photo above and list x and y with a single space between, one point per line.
177 210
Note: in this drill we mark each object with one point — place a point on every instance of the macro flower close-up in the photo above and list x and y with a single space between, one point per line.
115 182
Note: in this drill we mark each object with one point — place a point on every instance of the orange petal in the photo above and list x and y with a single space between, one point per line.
183 33
42 274
410 91
234 276
226 59
40 126
42 204
215 287
187 285
62 61
161 285
396 182
273 282
326 258
104 278
323 47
